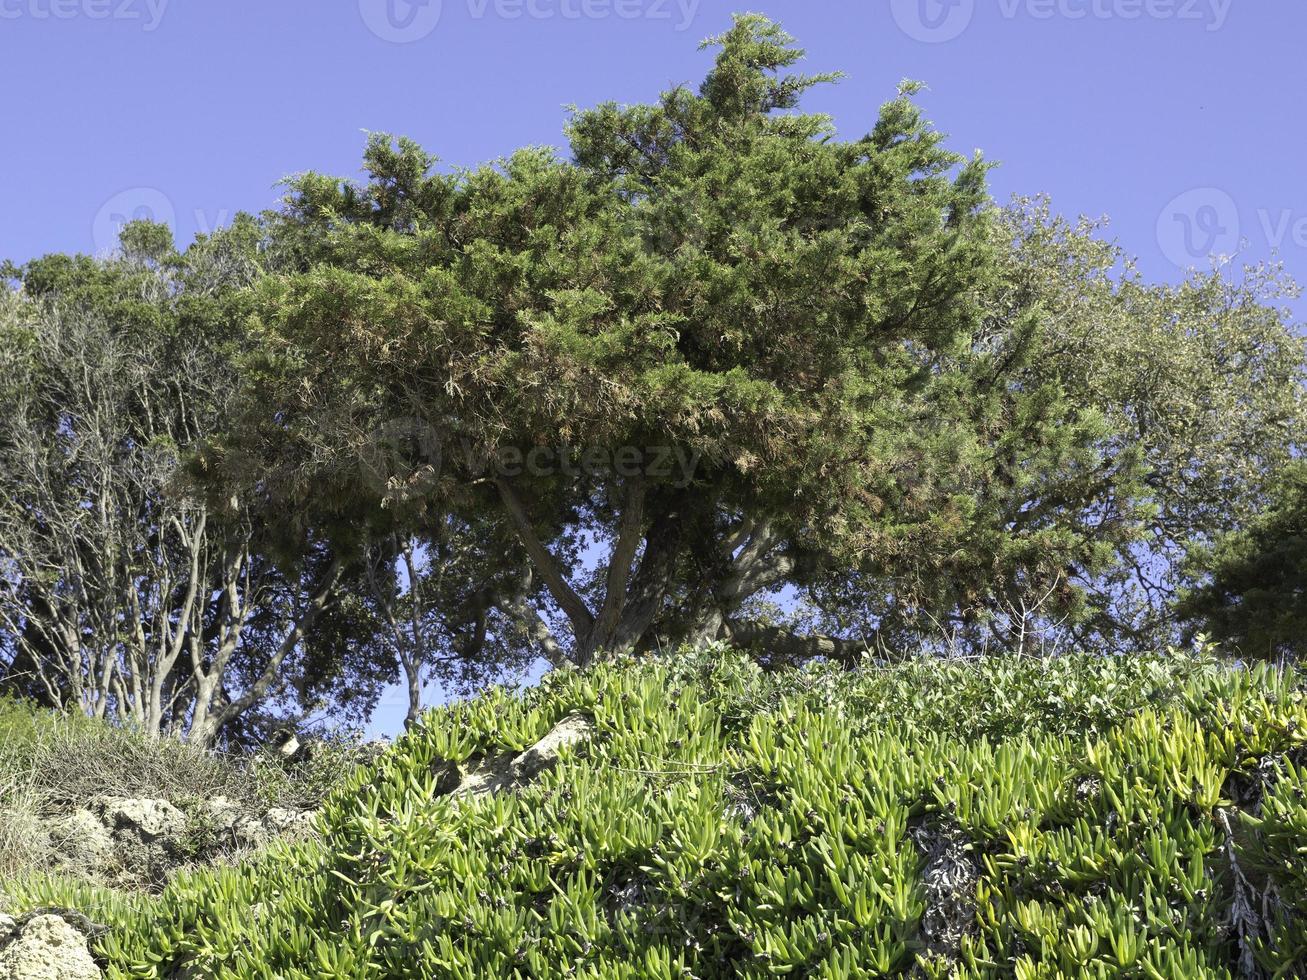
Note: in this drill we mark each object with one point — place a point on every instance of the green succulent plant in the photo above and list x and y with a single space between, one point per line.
1078 817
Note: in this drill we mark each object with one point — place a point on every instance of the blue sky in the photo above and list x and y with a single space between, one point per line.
1178 118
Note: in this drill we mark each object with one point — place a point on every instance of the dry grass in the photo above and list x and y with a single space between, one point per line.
24 843
52 764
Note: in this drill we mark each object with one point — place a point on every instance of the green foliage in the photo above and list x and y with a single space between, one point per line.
718 276
910 407
726 823
124 592
1254 591
1204 380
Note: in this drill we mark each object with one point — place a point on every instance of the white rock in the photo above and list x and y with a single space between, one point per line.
289 823
231 824
147 834
573 729
485 776
82 840
48 948
149 819
220 814
250 832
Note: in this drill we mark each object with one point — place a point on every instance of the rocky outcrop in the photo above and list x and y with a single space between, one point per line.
82 840
147 834
290 824
130 843
133 841
479 777
45 947
492 775
572 730
227 823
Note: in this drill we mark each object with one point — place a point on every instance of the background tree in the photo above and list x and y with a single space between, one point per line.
1204 380
120 592
434 612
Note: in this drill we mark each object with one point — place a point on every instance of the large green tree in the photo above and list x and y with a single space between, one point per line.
716 353
717 373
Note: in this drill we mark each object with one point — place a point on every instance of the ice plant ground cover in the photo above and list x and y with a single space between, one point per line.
1087 817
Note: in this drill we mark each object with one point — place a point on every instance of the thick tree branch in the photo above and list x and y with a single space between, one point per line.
757 566
529 621
778 647
551 574
317 602
648 588
630 531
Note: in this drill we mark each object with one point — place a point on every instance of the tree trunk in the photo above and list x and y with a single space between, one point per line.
413 677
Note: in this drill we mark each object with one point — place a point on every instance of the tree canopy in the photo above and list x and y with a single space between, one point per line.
718 280
123 590
714 373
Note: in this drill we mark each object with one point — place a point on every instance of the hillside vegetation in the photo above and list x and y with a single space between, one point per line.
1139 817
